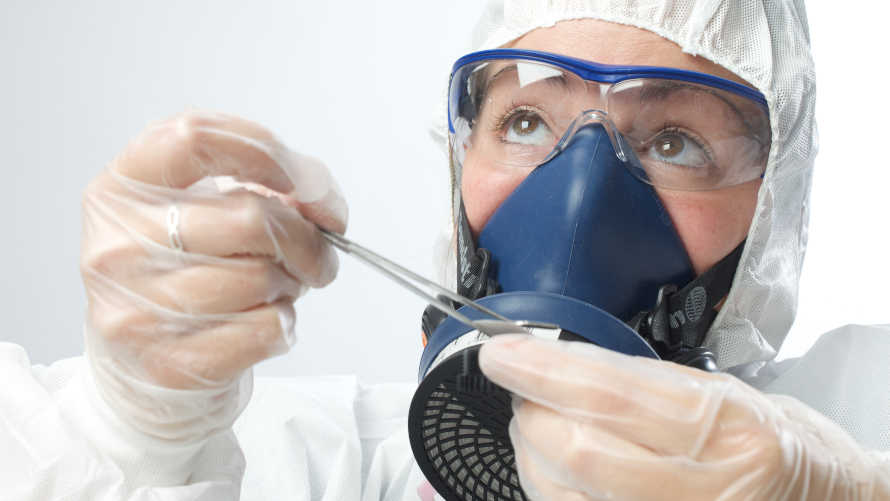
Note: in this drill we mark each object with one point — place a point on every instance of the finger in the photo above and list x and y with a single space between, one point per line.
234 224
182 351
578 456
535 484
238 344
643 400
217 286
194 144
250 224
327 212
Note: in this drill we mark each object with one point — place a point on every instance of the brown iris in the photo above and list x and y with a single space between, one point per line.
669 145
525 125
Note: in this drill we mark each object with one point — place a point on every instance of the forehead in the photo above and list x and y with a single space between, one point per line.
611 43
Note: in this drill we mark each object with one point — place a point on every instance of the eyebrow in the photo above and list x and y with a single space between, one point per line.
652 91
559 82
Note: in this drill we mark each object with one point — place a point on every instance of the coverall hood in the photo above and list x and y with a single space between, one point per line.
765 42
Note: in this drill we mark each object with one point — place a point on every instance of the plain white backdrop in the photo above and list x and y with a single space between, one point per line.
353 83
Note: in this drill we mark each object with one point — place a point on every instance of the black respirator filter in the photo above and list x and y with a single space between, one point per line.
458 420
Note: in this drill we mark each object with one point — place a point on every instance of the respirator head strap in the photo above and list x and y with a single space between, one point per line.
472 264
681 319
473 282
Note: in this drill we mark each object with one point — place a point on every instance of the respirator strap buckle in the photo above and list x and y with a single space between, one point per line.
654 325
681 319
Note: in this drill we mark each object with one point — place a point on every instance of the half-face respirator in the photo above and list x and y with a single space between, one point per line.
583 249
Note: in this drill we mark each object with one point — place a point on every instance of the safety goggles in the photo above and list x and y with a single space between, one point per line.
672 128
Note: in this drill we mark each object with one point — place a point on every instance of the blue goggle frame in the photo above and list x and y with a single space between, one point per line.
605 73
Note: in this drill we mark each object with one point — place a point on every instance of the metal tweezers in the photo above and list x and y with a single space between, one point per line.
499 323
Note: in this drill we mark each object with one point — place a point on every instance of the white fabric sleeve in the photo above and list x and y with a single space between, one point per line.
327 439
300 440
59 439
844 376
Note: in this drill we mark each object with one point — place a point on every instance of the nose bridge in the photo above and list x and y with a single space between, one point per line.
597 95
593 112
593 109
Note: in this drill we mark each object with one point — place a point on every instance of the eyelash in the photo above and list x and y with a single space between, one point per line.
511 112
688 134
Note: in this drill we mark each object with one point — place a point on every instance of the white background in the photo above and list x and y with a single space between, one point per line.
352 82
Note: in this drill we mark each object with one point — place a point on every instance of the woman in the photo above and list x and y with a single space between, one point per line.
190 285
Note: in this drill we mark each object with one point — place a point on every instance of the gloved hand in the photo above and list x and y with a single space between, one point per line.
188 285
595 424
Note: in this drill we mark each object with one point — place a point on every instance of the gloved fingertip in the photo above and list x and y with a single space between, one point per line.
333 262
311 181
331 219
288 319
328 265
505 351
333 224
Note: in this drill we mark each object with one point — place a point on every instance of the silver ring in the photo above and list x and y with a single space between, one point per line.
173 229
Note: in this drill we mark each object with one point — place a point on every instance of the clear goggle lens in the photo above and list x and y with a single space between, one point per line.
669 133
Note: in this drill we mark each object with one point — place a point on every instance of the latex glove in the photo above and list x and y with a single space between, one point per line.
595 424
188 286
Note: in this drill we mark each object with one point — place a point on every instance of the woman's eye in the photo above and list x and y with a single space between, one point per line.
529 129
525 125
669 146
678 149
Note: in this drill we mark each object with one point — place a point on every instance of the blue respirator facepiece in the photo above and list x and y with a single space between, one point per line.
582 226
580 243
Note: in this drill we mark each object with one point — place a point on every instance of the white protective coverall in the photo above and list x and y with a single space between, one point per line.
332 438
